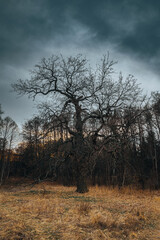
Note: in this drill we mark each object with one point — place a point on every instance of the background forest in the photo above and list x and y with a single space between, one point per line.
92 128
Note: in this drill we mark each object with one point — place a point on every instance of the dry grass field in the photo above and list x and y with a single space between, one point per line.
48 211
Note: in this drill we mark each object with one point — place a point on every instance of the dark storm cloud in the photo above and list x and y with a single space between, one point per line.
32 29
25 25
133 25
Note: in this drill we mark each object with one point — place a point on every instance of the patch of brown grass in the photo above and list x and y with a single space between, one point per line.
48 211
84 208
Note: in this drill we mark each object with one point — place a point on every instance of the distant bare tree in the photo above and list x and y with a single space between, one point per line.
33 136
8 133
0 121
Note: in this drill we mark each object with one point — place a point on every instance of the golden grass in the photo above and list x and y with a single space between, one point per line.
49 211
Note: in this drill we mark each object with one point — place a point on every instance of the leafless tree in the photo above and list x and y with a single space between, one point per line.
8 133
81 94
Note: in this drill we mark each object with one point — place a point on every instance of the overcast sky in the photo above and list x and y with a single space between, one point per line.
32 29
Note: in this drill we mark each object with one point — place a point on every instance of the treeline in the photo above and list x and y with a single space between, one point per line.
95 128
129 156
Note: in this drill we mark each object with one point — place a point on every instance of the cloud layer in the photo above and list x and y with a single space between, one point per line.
129 29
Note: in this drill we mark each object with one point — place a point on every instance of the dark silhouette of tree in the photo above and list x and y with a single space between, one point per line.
78 95
8 132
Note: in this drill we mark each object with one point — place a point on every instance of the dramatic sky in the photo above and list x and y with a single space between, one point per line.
32 29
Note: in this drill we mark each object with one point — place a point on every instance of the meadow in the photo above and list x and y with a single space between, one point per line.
49 211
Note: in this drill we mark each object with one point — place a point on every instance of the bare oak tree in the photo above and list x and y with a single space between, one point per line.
82 96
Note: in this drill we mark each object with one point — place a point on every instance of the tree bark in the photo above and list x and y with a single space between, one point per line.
81 183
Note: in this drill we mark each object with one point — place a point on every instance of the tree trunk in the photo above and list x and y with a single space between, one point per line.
80 152
2 173
81 165
81 183
2 164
